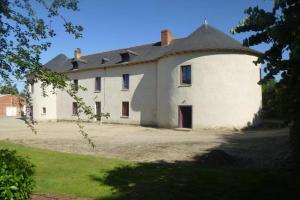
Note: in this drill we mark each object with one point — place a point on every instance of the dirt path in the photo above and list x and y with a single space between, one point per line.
140 143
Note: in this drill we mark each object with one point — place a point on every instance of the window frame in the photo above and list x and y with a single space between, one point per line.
123 81
123 114
98 90
182 73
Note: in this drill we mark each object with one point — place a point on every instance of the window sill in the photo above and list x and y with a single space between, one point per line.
124 89
185 85
124 117
43 114
97 91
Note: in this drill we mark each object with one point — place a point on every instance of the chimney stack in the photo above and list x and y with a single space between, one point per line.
77 53
166 37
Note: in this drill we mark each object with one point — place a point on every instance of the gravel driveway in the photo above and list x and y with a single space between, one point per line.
139 143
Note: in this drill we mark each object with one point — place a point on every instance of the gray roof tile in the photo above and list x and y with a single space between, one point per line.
204 38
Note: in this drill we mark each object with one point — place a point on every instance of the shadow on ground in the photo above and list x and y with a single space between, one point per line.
234 170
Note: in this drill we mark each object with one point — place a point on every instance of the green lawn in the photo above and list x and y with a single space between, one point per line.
102 178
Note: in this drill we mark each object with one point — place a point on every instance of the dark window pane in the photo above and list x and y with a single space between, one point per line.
75 65
98 110
75 85
75 108
125 81
186 74
125 57
125 108
98 84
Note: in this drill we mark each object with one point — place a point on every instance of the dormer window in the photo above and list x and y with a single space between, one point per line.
125 57
74 65
128 55
104 60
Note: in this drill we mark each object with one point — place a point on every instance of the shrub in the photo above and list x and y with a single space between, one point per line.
16 176
295 138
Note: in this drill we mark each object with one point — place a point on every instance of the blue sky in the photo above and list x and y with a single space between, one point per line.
112 24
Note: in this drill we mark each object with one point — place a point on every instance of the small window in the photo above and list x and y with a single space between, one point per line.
75 108
74 65
98 110
75 82
186 74
31 88
44 110
98 84
125 109
125 57
125 84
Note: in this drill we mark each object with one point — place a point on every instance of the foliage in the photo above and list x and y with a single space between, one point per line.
24 35
16 176
9 89
270 100
280 28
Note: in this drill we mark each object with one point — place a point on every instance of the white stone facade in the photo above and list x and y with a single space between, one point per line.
224 92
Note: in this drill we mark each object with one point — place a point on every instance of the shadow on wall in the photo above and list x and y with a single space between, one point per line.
231 178
145 91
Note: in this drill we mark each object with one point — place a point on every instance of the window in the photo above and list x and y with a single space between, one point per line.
75 108
75 82
186 74
31 88
98 84
125 109
74 65
98 110
125 82
44 110
125 57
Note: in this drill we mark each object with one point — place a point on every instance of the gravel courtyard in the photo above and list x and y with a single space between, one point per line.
144 143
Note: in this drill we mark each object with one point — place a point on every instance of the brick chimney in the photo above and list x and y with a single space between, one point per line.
77 53
166 37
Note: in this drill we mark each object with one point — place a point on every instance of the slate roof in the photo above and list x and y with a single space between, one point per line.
205 38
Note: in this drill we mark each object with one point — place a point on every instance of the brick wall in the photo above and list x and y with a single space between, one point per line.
11 101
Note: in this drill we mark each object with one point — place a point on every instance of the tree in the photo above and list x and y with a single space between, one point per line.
270 98
24 35
9 89
280 28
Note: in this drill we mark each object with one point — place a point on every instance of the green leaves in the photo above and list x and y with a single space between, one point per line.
24 35
16 176
280 28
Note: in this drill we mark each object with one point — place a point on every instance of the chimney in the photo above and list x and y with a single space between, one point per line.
77 53
166 37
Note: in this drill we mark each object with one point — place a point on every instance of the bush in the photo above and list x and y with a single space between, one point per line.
295 138
16 176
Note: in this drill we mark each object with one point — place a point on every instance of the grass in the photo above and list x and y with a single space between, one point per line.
108 179
64 173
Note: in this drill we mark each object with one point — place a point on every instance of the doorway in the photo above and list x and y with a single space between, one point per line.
98 110
185 116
